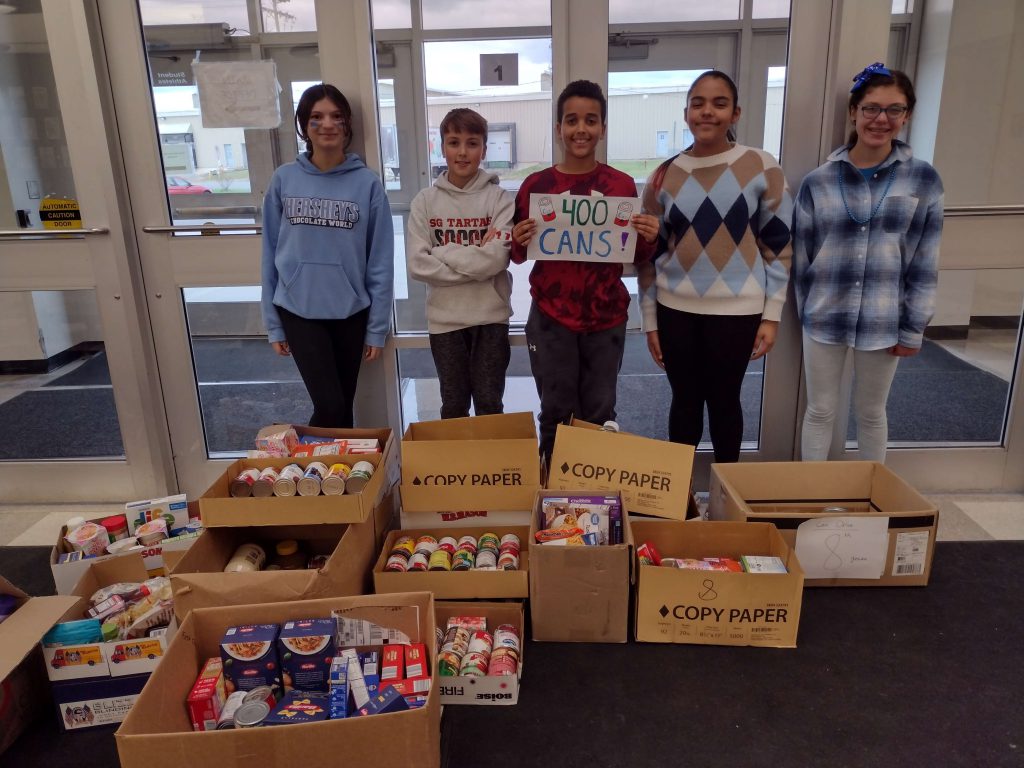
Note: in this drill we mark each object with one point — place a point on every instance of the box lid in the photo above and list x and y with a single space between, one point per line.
23 630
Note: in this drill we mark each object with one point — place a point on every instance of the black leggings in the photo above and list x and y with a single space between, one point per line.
705 358
328 354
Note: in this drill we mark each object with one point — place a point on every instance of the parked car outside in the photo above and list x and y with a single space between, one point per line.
176 185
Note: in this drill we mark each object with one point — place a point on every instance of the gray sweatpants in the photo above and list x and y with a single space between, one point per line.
471 364
576 373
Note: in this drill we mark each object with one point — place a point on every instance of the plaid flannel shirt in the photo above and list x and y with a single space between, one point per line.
868 285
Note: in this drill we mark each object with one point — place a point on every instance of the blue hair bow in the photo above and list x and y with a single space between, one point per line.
878 68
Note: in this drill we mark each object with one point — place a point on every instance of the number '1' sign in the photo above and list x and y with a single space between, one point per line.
581 228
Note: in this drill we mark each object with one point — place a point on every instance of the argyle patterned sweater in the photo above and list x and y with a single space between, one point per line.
725 243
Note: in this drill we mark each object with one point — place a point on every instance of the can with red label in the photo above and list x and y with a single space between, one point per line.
508 561
427 545
405 545
467 543
448 544
418 562
262 693
264 485
241 486
398 562
285 483
504 661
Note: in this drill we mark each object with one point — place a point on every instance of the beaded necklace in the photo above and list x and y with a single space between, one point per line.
842 192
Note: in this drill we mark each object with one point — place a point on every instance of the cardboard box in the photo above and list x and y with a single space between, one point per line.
675 605
382 436
457 585
580 594
488 690
220 509
23 689
199 580
479 462
653 475
442 520
116 658
885 538
91 703
157 560
157 732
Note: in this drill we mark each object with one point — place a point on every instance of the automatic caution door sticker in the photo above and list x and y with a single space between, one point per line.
60 213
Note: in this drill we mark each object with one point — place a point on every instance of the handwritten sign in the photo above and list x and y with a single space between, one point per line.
843 547
581 228
238 94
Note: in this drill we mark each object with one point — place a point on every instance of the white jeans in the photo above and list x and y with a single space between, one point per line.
872 378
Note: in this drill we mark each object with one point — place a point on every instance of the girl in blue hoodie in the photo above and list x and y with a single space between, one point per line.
328 258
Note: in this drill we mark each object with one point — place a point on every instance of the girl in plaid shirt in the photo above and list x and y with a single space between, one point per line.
865 259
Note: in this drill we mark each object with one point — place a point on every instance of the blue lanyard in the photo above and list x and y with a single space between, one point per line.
842 192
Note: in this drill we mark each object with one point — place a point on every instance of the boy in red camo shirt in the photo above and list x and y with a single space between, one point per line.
576 330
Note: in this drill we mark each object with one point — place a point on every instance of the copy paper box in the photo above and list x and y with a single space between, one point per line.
457 585
489 690
676 605
23 688
199 580
883 534
653 475
157 732
220 509
579 593
478 462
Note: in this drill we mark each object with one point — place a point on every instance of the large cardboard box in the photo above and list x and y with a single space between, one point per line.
580 594
475 463
158 734
489 690
220 509
23 688
199 580
676 605
653 475
382 435
880 532
457 585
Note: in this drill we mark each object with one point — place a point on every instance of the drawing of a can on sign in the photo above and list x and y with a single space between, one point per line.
622 214
547 209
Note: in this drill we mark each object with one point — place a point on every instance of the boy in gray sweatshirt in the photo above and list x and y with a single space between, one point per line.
459 237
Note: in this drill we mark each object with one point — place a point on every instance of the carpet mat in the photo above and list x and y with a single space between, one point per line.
59 423
93 371
882 677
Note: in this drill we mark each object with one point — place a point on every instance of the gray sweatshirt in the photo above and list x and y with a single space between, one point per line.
467 284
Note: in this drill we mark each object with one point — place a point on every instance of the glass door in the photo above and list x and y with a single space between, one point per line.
82 414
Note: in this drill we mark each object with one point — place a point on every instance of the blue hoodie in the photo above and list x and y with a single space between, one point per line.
328 246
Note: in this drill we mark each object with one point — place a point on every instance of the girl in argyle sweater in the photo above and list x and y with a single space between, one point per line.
712 298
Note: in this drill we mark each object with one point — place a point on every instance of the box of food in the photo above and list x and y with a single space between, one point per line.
219 508
489 689
157 732
250 657
456 585
851 523
305 649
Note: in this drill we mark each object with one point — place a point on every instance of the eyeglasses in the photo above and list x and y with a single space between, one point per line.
894 111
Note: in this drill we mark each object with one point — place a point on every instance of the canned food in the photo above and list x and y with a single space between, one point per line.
510 538
467 543
316 562
227 712
285 483
361 473
262 693
504 662
264 485
489 541
448 544
486 560
456 641
426 544
462 560
506 636
448 664
481 642
418 562
474 664
508 561
398 562
309 483
251 714
241 486
334 483
403 544
440 561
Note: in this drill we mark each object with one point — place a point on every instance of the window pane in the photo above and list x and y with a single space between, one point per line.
56 398
290 16
391 14
774 99
456 14
232 12
771 9
641 11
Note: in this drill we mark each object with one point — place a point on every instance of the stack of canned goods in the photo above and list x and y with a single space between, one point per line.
314 479
428 553
469 650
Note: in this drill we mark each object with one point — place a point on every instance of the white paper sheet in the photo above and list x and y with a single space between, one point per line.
843 547
238 94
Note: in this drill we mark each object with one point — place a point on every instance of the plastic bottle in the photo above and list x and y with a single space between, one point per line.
289 557
247 558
